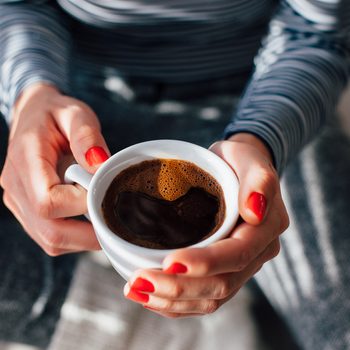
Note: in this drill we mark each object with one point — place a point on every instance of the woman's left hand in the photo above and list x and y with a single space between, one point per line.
197 281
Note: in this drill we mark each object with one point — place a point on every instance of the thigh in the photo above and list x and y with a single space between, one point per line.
309 281
134 113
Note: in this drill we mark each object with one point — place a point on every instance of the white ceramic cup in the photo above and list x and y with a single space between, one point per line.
127 257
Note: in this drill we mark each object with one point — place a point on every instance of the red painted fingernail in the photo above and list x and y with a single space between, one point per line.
176 268
257 204
95 155
137 296
142 285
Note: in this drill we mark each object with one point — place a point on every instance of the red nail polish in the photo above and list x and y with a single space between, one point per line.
95 155
257 204
137 296
142 285
176 268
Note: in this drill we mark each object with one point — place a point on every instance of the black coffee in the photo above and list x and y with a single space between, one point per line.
164 204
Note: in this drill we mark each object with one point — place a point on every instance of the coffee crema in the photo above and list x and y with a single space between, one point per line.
164 204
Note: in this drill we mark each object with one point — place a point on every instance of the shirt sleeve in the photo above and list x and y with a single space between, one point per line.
34 47
299 75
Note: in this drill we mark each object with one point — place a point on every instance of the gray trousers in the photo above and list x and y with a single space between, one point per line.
309 281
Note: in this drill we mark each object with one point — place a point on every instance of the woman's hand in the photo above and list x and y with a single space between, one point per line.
46 126
197 281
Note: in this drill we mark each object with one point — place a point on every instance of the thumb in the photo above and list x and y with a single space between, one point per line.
82 129
259 183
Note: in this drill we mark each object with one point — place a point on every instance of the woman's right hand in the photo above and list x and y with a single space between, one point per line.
47 125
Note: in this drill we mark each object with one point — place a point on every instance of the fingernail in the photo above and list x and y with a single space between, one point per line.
176 268
257 204
95 155
142 285
137 296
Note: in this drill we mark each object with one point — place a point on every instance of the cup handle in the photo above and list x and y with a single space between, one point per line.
76 174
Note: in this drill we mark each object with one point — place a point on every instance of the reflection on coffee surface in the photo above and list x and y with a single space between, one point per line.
164 204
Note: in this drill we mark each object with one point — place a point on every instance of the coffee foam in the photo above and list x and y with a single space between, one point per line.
166 179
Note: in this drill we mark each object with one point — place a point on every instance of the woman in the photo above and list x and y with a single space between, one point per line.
125 60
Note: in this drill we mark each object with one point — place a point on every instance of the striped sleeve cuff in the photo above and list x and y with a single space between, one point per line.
265 133
33 48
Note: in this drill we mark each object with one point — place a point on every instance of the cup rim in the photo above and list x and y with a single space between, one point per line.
106 236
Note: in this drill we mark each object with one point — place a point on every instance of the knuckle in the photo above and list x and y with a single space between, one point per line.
43 207
177 291
8 203
51 251
168 306
85 134
2 181
223 289
5 199
273 250
206 266
5 179
53 240
77 106
244 258
284 224
276 249
270 180
210 306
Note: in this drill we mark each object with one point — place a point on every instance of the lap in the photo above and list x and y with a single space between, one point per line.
33 285
309 281
132 112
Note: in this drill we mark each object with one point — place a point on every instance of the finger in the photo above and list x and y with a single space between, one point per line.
231 254
162 304
200 306
200 299
258 179
81 127
177 287
55 237
49 198
63 201
19 214
68 235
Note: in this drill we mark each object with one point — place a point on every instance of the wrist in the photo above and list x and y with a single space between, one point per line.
36 90
254 141
31 98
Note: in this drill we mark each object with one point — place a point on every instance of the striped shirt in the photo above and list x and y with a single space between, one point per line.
299 50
